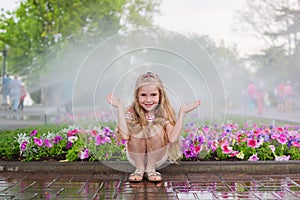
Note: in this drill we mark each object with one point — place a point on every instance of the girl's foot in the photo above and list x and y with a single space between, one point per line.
153 176
136 176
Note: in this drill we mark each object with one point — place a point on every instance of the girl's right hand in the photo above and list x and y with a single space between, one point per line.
113 101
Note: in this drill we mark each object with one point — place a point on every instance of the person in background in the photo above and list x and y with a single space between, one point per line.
252 97
150 127
22 97
15 92
260 96
6 90
288 92
280 97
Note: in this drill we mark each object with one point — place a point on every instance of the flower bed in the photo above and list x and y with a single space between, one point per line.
218 142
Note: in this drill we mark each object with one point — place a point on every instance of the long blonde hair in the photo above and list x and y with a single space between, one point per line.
164 110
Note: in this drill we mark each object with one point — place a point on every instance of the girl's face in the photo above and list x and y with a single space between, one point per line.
148 97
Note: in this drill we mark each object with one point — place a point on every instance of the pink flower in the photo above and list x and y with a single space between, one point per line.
100 139
214 145
252 143
72 132
94 133
205 129
253 157
282 139
282 158
226 148
296 144
72 139
57 139
197 149
47 143
37 141
23 146
234 153
84 154
33 133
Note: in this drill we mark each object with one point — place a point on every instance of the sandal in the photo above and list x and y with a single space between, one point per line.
153 176
136 176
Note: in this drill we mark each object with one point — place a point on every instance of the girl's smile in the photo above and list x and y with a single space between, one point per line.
148 97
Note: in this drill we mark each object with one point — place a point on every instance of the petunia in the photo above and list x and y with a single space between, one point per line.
197 149
23 146
252 143
282 158
47 143
296 144
213 145
33 133
234 153
282 139
188 153
57 139
84 154
107 130
226 148
72 132
205 129
99 139
240 155
37 141
253 158
94 133
72 138
69 145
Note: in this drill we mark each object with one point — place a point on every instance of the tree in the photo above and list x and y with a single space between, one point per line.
39 30
277 23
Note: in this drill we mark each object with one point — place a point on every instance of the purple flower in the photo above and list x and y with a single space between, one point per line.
33 133
253 157
38 141
84 154
188 153
282 139
69 145
57 139
282 158
107 130
23 146
47 143
100 139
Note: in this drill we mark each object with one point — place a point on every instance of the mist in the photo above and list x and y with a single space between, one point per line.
187 70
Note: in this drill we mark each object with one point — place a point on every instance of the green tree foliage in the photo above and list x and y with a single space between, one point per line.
43 29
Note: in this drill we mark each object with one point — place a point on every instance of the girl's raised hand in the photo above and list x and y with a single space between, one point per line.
185 108
114 101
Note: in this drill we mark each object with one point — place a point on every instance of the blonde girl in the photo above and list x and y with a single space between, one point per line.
150 127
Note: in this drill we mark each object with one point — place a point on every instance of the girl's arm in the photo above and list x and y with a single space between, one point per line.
174 131
122 124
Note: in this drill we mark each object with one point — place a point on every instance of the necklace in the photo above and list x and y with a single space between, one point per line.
149 118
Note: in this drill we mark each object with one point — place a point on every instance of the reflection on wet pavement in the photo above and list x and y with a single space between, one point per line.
175 186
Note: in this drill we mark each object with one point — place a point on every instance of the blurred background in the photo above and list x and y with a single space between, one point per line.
69 54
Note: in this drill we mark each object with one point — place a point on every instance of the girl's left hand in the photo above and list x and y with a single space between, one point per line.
185 108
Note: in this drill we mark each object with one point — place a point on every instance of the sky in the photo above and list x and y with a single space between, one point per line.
215 18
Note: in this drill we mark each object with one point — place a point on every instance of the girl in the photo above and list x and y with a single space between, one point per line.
150 127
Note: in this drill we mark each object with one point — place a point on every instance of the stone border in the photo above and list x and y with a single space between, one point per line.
258 167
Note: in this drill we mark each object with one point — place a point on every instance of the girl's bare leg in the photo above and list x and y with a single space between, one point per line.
155 152
137 151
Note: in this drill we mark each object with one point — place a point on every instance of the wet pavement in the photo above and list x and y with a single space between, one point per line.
42 185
